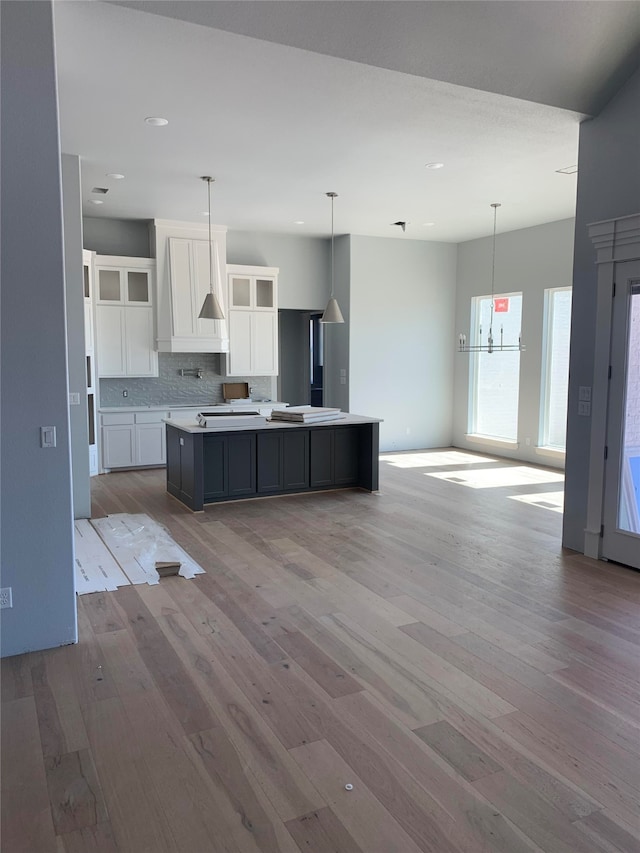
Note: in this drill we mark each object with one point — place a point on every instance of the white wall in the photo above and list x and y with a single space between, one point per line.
527 261
37 522
402 306
608 187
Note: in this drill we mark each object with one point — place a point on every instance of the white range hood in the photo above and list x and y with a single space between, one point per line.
182 269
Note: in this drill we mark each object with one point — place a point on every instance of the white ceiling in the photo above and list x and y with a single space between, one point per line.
278 125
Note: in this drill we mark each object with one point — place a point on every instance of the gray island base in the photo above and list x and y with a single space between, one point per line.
208 465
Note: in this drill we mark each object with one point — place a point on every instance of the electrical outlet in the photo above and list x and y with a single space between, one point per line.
125 393
6 597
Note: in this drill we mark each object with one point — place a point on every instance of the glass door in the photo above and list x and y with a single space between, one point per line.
621 515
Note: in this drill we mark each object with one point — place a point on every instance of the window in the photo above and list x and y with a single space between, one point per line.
555 368
495 376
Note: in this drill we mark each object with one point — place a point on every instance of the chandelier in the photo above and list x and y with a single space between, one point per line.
491 345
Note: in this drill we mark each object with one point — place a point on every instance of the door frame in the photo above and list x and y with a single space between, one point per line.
616 241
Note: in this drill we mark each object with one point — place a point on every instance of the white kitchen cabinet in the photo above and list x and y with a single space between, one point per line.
133 439
150 444
118 441
182 252
124 317
253 321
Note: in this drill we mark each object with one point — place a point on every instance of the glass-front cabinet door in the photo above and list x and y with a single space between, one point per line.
265 293
138 287
240 292
109 285
124 286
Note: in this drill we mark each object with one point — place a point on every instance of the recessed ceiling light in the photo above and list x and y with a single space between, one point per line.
434 165
205 212
156 121
299 222
96 201
568 170
428 224
115 175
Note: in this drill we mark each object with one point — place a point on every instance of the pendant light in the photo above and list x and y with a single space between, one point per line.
490 346
211 308
332 313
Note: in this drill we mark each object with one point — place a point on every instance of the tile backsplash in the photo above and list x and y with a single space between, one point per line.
171 388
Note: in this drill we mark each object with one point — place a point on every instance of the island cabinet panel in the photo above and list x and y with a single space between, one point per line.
334 457
321 458
185 467
345 456
283 461
229 465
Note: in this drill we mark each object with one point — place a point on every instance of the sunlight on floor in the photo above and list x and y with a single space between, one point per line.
491 478
547 500
434 459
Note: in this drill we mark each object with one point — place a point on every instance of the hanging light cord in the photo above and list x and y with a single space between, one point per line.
332 200
495 207
210 254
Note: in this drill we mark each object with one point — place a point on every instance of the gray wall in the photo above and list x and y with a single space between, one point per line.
608 187
125 237
527 261
402 340
37 522
76 351
303 261
337 335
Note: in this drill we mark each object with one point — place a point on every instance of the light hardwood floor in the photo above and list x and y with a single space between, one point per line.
431 645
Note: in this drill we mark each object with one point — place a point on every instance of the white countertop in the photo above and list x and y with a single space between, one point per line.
347 420
168 407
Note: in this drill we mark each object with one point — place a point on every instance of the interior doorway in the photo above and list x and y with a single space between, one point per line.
301 376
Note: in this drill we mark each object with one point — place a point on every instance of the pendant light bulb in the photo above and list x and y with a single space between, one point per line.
332 313
211 308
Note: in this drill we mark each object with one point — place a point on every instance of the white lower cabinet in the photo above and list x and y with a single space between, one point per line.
133 439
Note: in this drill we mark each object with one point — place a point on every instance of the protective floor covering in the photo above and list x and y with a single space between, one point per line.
123 549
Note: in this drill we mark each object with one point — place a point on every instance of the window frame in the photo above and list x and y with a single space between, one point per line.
472 434
543 445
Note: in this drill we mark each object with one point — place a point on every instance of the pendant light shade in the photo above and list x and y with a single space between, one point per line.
211 308
332 313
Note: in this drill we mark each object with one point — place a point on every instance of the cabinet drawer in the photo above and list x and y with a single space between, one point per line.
150 417
116 419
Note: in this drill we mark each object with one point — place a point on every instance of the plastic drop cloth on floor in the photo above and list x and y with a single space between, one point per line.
138 543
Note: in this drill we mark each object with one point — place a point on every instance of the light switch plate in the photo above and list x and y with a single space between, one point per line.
584 409
47 436
74 398
584 393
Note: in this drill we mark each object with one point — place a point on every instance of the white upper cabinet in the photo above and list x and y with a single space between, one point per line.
182 255
125 336
253 320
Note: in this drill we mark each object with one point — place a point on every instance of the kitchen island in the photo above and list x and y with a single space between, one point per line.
211 464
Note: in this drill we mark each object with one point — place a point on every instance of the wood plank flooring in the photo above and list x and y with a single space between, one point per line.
431 645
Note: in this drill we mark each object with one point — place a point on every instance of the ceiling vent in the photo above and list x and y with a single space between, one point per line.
101 190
